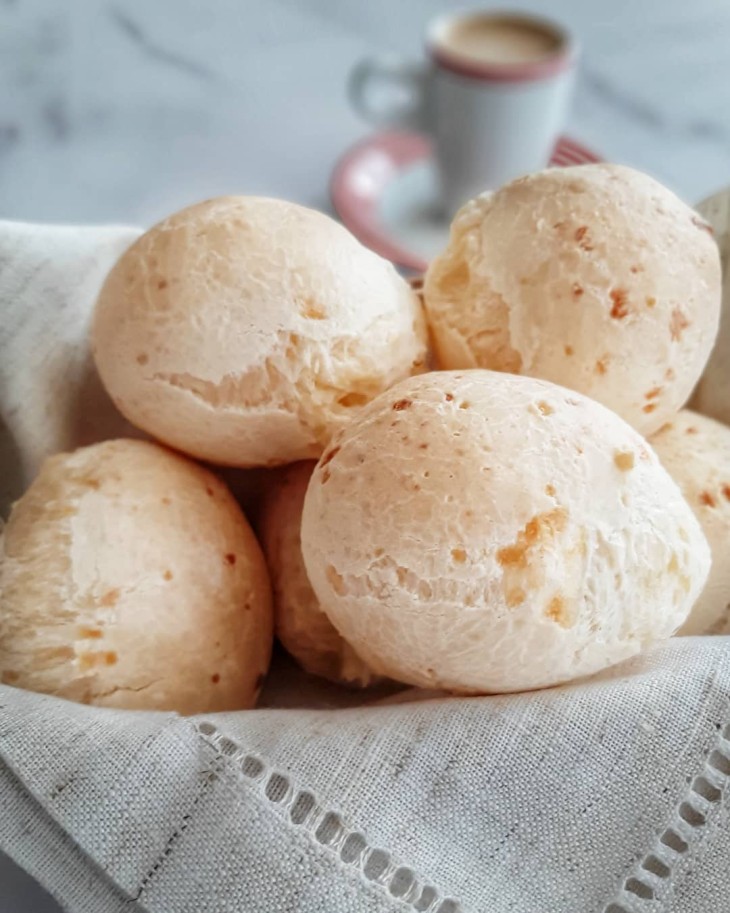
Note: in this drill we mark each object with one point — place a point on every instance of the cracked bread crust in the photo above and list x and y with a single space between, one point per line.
506 534
130 578
245 331
594 277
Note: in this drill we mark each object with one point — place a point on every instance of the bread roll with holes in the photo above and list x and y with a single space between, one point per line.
245 331
505 534
595 277
695 451
130 578
300 624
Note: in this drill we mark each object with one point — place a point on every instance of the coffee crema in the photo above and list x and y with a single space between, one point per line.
500 39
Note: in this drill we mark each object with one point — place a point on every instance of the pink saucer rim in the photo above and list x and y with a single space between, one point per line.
358 215
403 148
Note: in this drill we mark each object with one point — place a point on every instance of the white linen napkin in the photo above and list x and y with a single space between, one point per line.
605 796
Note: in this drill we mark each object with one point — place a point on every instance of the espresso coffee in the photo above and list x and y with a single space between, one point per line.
500 39
494 97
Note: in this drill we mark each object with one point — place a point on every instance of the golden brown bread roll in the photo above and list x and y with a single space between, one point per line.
130 578
504 534
300 623
594 277
245 331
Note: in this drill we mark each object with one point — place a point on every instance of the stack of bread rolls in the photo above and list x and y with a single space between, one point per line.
523 506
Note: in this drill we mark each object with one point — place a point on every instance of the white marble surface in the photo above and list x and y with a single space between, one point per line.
123 110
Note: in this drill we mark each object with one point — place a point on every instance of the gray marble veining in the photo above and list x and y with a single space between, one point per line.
121 110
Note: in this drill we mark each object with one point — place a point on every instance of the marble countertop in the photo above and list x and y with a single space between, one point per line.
125 110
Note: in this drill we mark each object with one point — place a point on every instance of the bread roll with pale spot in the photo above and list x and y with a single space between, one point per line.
245 331
300 624
595 277
505 534
130 578
695 451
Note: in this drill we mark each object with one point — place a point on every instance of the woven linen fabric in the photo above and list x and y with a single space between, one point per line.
609 795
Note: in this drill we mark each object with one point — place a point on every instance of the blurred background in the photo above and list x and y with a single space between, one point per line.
125 110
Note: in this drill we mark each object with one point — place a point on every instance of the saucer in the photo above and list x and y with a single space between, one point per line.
384 191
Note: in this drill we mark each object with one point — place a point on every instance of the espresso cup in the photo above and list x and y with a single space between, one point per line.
494 96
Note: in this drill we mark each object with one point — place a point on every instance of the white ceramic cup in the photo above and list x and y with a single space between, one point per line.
494 96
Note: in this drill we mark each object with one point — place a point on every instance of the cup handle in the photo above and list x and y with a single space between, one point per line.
401 85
